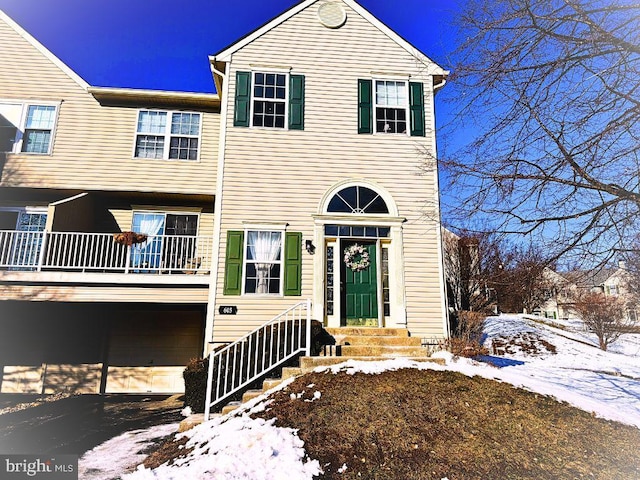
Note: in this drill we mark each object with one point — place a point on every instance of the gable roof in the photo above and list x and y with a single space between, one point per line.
224 55
43 50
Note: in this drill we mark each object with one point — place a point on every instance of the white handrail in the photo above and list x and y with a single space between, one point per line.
100 252
267 347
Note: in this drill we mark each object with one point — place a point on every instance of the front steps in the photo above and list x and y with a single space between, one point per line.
352 343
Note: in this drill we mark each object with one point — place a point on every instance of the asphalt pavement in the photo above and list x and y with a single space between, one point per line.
76 424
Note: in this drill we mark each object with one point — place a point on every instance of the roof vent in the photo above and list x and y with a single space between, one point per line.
332 14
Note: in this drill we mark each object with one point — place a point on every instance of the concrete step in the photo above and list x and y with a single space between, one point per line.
309 363
288 372
193 420
368 331
270 383
230 407
378 340
383 351
251 394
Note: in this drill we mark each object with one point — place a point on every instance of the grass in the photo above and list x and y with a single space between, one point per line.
412 425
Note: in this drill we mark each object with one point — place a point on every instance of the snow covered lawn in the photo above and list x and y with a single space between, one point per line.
605 383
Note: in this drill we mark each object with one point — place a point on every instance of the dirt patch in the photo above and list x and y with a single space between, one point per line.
527 343
423 425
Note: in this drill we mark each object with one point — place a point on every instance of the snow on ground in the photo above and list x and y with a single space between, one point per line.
114 457
237 447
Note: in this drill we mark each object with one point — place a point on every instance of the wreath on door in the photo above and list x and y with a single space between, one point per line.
356 258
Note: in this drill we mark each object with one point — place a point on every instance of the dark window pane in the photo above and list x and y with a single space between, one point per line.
268 121
384 232
258 107
279 108
344 231
257 120
271 79
378 206
281 80
269 92
358 231
280 122
260 78
350 196
371 232
337 205
280 93
331 230
258 91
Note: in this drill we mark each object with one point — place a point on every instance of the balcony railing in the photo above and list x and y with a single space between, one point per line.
99 252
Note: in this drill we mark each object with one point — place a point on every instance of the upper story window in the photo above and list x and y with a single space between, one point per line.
168 135
27 128
269 100
391 106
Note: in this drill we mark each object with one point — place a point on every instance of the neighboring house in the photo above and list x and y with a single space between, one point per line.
246 201
609 281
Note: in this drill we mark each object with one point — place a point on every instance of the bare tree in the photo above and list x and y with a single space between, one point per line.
551 89
603 315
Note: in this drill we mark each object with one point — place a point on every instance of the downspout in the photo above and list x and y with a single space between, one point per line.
443 288
217 209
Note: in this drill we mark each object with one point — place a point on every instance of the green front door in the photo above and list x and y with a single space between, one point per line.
360 292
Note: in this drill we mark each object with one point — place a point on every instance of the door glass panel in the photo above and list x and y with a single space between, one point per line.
27 243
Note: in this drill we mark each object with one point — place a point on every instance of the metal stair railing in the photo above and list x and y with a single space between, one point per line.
242 362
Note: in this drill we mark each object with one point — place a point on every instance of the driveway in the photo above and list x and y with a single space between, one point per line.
76 424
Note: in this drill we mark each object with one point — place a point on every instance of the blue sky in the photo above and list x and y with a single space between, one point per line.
163 44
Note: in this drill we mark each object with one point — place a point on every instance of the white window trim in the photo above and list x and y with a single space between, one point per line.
280 71
167 135
263 228
389 78
19 139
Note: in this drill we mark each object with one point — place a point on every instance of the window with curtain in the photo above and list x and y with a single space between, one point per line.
263 262
168 135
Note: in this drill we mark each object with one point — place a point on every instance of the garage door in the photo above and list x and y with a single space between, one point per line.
149 350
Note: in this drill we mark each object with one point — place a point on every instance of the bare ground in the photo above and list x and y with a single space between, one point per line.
412 425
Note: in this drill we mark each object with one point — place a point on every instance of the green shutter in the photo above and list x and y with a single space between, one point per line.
365 106
416 107
233 263
296 102
243 99
293 264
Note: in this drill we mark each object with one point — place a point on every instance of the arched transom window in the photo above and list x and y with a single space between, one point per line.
359 200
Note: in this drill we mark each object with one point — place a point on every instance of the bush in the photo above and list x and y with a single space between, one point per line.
466 334
195 384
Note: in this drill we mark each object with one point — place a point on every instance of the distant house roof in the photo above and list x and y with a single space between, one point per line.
589 278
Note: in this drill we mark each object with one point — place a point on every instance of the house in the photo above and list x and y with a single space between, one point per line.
143 228
567 286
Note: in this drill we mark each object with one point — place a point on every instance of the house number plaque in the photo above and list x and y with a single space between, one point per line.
228 310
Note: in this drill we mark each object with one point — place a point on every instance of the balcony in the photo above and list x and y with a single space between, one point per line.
181 257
